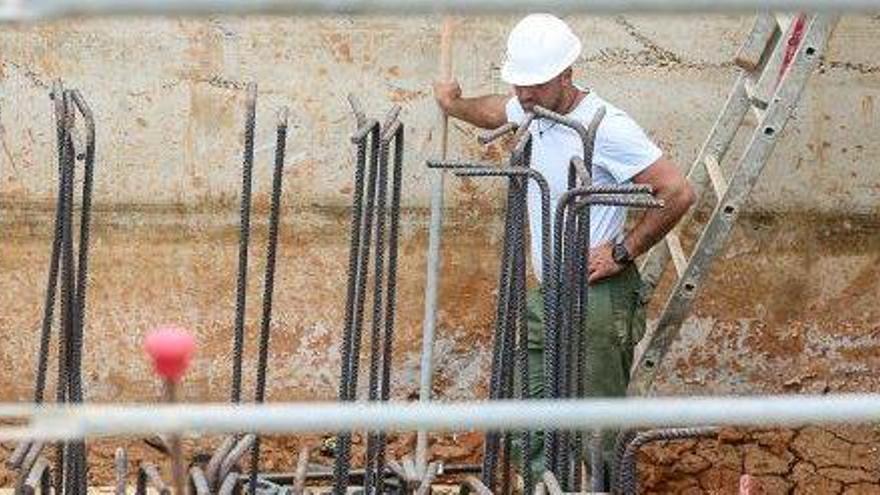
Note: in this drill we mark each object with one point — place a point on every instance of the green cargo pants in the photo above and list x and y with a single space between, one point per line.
615 324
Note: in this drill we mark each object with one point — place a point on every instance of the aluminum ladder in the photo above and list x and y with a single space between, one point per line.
775 63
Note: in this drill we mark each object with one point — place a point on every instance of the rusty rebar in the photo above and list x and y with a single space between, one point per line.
519 169
626 482
243 241
380 193
395 132
269 283
368 132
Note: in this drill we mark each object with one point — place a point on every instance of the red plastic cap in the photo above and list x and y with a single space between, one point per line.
170 349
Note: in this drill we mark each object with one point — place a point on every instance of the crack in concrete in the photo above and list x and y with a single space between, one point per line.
653 54
223 83
30 75
649 44
840 65
644 58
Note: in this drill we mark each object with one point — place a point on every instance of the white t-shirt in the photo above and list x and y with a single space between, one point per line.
621 151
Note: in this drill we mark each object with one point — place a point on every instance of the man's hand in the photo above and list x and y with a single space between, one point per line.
486 112
602 264
446 92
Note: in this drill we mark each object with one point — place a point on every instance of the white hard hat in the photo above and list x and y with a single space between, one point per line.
539 48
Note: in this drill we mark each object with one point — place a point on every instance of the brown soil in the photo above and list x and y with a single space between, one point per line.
791 308
278 454
810 460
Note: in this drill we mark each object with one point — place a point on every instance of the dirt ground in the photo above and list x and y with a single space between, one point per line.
789 308
810 460
278 454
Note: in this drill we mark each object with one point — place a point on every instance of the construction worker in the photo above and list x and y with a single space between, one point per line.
541 50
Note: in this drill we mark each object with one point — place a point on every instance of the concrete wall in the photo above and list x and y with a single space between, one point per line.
168 96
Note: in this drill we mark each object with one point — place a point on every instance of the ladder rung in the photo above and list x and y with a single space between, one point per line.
678 257
759 114
782 94
752 50
756 104
763 88
752 93
715 175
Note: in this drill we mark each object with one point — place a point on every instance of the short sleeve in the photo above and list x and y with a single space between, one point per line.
514 111
623 148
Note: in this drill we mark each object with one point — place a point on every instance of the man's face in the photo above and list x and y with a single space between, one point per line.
547 95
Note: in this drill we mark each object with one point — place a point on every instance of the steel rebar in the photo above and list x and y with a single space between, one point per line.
68 295
269 282
397 133
199 483
627 478
523 170
39 478
243 241
60 109
379 194
361 230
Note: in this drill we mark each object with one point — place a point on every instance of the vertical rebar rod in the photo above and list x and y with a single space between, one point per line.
82 271
380 194
364 263
490 456
365 128
61 384
551 333
54 260
391 297
68 271
473 170
364 222
579 322
269 283
243 240
514 314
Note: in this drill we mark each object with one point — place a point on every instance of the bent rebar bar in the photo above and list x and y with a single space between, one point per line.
626 482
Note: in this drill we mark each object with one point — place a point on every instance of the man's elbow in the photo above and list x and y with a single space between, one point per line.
687 195
679 197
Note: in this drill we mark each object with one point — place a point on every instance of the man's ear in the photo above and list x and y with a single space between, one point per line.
566 77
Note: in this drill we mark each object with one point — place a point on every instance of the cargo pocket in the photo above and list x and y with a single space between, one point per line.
607 372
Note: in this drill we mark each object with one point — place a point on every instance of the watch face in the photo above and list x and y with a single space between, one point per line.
620 254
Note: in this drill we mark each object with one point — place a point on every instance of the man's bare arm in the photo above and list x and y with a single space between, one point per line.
486 112
678 196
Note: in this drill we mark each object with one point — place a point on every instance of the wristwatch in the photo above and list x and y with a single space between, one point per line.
620 254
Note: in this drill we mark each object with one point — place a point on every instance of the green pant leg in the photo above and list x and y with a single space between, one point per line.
616 323
535 326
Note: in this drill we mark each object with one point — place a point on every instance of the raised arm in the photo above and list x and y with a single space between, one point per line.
486 111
